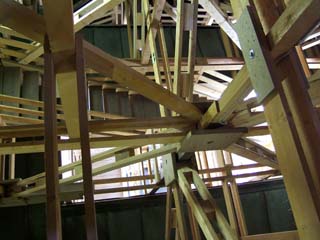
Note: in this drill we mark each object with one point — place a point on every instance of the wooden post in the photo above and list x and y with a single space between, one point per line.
192 51
90 210
168 213
51 148
181 223
292 124
178 48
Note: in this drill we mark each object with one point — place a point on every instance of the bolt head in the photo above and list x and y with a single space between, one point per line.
251 53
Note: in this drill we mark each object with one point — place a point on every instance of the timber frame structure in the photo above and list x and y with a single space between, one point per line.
271 47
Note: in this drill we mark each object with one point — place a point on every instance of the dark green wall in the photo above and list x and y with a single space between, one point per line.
265 206
114 40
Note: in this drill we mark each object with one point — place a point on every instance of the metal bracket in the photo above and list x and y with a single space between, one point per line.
256 54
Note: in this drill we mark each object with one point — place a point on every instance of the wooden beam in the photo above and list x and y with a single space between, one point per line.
197 209
192 51
22 20
67 83
177 81
150 44
153 21
290 235
96 158
251 150
164 53
51 149
109 167
279 111
112 67
81 18
96 126
90 210
92 11
236 91
104 142
221 19
295 22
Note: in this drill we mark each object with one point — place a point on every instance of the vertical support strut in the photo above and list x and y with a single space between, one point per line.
51 147
90 210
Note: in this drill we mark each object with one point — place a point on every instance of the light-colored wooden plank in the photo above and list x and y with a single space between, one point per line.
192 51
17 44
232 96
177 81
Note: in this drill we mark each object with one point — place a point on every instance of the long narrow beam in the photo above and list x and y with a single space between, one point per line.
96 126
139 140
51 149
153 24
236 91
221 19
22 20
116 69
88 187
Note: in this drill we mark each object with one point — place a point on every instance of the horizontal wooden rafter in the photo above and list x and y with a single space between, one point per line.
103 142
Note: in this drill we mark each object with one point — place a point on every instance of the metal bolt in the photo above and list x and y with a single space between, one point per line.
251 54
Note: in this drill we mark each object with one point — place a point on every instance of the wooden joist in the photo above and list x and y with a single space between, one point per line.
22 20
113 67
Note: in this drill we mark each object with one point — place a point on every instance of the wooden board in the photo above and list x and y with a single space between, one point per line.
213 139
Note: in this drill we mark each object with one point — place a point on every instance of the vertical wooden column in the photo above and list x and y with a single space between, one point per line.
90 210
293 127
178 48
51 148
178 201
168 213
192 51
